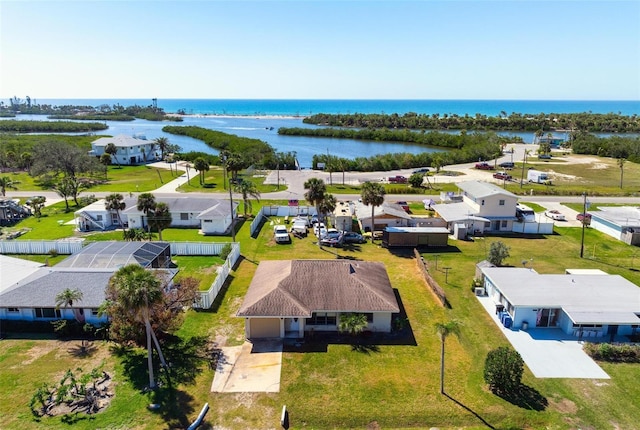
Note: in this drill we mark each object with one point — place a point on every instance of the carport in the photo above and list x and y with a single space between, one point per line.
548 352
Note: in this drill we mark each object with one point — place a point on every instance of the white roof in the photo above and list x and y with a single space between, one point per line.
623 216
454 212
15 270
121 141
587 299
483 189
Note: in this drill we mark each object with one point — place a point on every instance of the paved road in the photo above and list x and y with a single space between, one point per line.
294 181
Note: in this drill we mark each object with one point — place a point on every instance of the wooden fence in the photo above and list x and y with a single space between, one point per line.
435 287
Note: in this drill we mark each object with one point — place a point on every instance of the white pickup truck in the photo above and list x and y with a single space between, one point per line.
280 234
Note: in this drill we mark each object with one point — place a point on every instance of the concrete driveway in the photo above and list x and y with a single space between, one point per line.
253 367
549 352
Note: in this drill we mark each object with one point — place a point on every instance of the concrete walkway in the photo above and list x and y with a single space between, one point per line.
548 352
253 367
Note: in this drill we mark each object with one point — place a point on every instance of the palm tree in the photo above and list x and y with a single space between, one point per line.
138 290
352 323
146 203
444 330
66 298
327 205
7 182
224 155
621 161
316 190
112 150
163 145
201 165
372 194
160 218
115 202
247 189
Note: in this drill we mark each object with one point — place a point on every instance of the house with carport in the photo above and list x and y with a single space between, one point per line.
619 222
580 303
386 215
288 298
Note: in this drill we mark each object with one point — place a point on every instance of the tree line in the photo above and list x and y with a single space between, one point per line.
17 126
621 147
585 121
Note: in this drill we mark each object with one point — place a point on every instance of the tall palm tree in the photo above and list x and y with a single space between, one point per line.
137 291
372 194
115 202
7 182
201 165
146 203
621 161
66 298
247 189
163 145
316 190
327 205
160 218
444 330
224 155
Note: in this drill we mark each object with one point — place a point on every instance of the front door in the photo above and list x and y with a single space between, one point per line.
612 331
496 225
291 327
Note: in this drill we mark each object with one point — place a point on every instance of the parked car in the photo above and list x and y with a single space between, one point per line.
484 166
507 165
555 215
281 234
404 205
353 237
299 227
332 237
397 179
319 229
544 157
585 218
502 175
422 170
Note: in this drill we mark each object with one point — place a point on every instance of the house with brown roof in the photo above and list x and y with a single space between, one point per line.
287 298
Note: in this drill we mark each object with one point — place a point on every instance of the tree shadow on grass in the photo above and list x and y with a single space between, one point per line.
525 397
84 349
470 410
364 348
186 359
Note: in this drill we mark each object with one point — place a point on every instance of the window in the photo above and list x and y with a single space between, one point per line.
207 220
184 216
501 202
504 223
48 313
95 312
369 317
99 217
13 310
322 318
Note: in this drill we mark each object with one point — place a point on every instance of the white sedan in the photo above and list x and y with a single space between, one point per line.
554 215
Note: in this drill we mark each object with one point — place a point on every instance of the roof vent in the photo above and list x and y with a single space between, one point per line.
352 269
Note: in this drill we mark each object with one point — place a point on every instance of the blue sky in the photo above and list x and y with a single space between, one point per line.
566 50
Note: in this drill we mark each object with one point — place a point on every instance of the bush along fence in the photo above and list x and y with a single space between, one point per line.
206 298
435 287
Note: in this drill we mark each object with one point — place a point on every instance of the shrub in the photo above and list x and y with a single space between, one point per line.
226 250
617 353
498 253
503 370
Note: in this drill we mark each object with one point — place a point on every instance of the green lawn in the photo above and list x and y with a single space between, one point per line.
214 182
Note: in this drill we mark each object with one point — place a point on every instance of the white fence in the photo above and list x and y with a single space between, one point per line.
533 227
197 248
40 246
208 297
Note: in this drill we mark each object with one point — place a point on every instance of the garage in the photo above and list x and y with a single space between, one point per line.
264 327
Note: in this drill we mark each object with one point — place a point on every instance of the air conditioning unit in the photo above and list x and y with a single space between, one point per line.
480 291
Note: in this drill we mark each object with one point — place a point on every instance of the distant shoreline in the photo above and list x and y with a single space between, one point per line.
215 115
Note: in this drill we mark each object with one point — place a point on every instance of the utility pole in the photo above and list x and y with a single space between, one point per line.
523 163
584 221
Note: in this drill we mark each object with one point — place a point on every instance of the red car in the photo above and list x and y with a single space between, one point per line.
397 179
484 166
584 217
404 205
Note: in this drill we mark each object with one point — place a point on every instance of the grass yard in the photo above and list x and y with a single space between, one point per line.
214 182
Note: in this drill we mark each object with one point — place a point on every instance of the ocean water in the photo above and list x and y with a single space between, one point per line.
261 107
260 119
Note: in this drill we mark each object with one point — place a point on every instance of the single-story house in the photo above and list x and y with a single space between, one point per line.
622 223
131 150
581 304
287 298
212 216
116 254
28 290
386 215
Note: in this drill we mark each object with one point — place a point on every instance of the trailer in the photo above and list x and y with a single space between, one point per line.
537 176
394 237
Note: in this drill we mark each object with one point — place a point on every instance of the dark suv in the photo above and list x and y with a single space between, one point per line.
507 165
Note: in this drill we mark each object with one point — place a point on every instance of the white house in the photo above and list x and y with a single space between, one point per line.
211 216
386 215
342 216
287 298
583 304
131 150
622 223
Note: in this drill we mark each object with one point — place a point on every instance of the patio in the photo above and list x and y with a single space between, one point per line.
548 352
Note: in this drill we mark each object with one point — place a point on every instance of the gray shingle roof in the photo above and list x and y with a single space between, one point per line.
296 288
